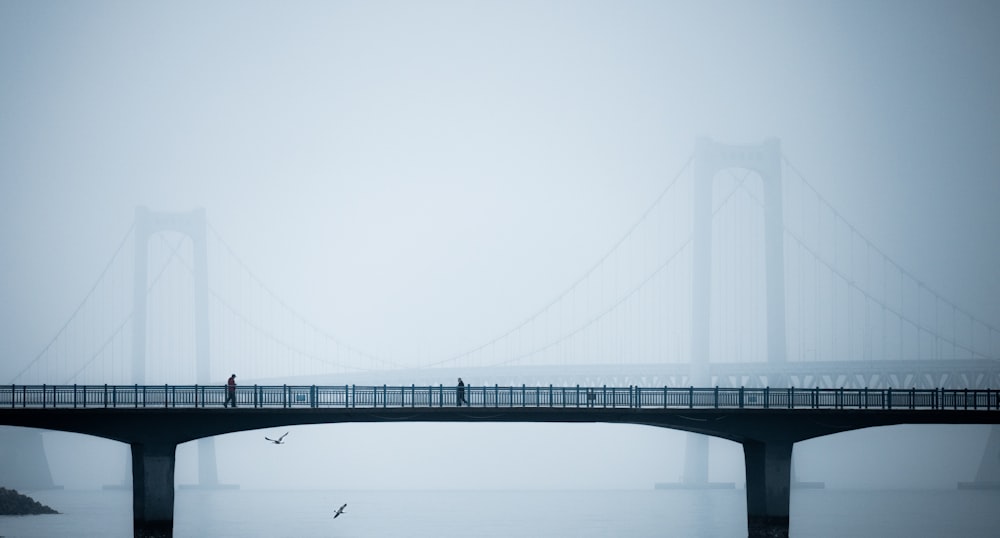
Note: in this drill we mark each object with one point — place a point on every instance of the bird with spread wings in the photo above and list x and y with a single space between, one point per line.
339 510
278 441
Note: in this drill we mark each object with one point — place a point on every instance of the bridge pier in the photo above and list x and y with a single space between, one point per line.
153 489
23 463
769 472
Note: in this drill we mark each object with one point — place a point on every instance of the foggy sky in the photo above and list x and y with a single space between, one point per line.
418 177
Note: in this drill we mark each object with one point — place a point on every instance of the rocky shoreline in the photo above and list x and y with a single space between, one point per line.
13 503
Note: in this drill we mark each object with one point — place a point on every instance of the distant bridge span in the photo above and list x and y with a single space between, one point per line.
851 374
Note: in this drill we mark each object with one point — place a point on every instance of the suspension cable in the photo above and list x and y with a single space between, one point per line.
72 316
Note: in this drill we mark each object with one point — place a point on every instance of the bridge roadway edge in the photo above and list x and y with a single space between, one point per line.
767 437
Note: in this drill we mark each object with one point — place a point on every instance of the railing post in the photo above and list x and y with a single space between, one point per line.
74 396
604 395
691 397
440 395
741 398
717 396
913 396
664 396
965 399
577 395
888 399
44 405
135 397
84 397
105 395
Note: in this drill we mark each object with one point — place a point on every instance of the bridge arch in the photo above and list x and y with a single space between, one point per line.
765 159
711 158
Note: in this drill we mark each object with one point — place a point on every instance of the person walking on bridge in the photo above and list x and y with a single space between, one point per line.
460 393
230 391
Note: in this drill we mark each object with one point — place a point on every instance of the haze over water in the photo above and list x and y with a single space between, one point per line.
419 178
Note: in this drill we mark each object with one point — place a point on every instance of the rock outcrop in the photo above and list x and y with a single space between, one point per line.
13 503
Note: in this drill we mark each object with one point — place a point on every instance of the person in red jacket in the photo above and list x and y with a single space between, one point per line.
230 391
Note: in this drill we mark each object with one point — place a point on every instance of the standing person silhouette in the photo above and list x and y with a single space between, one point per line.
460 393
230 391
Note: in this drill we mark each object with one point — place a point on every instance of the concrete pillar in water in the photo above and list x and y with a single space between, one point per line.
769 473
23 463
710 158
695 461
194 225
988 474
153 489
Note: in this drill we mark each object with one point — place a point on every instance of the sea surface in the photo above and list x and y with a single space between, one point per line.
436 513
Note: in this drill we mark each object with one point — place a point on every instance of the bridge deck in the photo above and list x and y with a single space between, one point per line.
384 396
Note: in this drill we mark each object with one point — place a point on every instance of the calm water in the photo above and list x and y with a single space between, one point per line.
647 513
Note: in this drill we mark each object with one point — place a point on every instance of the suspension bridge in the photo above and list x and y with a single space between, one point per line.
738 274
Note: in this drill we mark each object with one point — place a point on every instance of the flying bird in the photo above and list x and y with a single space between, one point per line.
339 510
277 441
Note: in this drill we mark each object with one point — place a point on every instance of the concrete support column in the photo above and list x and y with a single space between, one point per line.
208 473
774 256
153 489
23 464
769 473
696 461
143 228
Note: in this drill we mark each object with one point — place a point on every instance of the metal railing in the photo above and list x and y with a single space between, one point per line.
358 396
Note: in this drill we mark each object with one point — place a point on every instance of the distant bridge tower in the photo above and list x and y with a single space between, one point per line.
711 158
191 224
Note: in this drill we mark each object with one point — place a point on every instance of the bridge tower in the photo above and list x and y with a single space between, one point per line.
711 158
193 225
